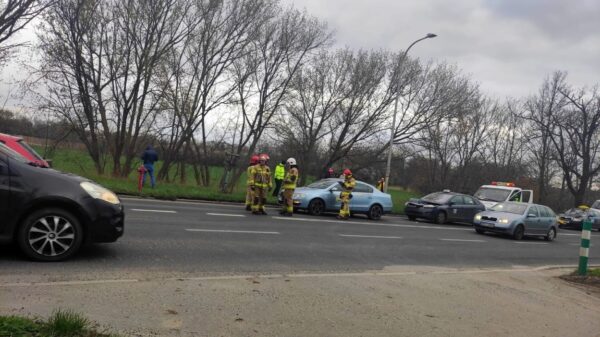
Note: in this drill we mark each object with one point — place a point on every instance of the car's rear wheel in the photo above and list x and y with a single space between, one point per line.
50 234
551 235
375 212
519 232
316 207
440 218
479 231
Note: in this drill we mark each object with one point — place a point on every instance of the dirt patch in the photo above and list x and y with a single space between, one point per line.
590 281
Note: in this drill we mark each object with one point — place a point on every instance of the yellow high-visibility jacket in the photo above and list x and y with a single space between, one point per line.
279 172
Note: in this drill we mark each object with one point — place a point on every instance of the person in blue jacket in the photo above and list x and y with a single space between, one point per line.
149 157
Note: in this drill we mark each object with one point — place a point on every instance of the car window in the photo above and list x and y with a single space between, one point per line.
30 149
469 201
492 194
457 200
543 212
550 212
362 188
533 210
515 197
321 184
596 204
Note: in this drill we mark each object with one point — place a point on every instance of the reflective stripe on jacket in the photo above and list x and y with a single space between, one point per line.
249 180
279 171
349 184
261 176
291 179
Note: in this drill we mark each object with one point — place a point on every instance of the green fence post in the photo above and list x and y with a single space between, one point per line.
584 251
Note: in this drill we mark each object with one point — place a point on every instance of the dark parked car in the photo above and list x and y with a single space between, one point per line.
442 207
50 214
574 217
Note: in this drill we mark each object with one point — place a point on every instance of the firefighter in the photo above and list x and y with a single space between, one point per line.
249 192
381 184
260 184
289 185
346 194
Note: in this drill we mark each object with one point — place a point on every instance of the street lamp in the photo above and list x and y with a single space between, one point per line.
393 128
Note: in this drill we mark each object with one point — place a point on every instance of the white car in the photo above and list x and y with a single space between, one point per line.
497 192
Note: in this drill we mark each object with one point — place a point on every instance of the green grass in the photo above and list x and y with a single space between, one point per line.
62 323
594 272
79 162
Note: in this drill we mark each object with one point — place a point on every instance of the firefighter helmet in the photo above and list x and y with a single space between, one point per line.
291 162
264 157
347 172
254 160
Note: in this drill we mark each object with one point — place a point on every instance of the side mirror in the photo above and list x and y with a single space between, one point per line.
531 215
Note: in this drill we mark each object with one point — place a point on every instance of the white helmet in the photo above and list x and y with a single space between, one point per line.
291 161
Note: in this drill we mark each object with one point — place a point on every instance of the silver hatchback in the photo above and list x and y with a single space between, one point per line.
518 219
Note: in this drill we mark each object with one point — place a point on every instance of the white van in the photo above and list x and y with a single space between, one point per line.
490 195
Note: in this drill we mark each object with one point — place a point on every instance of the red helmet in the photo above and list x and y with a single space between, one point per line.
264 157
347 172
254 159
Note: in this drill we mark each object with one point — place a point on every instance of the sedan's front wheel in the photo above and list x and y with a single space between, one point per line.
50 234
316 207
375 212
551 234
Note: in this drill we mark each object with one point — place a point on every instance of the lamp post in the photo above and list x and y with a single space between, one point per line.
393 128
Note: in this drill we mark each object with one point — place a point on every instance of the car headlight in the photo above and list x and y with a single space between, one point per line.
428 206
504 221
99 192
478 217
298 196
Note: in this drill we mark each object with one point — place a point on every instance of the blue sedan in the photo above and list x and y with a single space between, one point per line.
324 196
518 219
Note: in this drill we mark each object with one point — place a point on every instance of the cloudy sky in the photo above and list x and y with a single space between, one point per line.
508 46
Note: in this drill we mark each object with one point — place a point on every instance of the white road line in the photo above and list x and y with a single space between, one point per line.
66 283
369 236
530 243
371 223
225 214
151 210
230 231
462 240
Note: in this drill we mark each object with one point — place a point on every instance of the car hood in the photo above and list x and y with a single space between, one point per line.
49 173
501 215
488 204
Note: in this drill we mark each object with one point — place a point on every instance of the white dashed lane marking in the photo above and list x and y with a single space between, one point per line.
369 236
226 214
152 210
462 240
230 231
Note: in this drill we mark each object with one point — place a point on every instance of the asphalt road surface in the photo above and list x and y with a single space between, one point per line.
181 238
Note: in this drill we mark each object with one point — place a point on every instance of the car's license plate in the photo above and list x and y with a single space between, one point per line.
487 224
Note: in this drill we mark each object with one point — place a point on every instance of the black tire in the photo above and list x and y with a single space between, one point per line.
375 212
479 231
551 235
519 232
412 218
440 218
50 234
316 207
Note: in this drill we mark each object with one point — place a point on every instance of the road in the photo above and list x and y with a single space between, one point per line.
189 238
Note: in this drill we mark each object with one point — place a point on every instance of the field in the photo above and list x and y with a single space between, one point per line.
79 162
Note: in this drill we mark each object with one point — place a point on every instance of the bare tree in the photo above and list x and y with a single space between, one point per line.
575 134
197 73
539 112
14 16
264 74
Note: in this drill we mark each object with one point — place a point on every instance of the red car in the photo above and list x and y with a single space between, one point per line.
18 145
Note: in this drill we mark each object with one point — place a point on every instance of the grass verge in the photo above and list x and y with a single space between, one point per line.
80 163
62 323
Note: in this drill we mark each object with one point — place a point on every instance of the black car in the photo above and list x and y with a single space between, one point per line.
50 214
442 207
574 217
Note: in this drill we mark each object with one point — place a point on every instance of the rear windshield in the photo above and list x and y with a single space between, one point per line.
437 198
492 194
30 150
321 184
510 208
